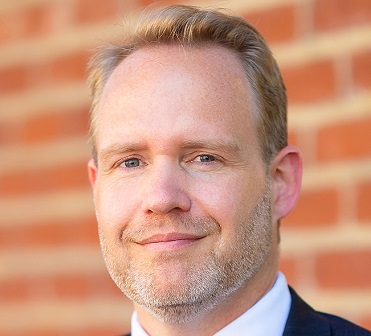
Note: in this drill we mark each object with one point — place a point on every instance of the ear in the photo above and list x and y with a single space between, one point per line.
92 172
286 173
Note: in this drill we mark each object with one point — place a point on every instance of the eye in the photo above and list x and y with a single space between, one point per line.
131 163
205 158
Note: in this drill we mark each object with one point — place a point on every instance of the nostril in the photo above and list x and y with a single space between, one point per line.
164 204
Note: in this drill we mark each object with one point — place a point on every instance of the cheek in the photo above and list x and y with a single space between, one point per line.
226 201
115 204
231 200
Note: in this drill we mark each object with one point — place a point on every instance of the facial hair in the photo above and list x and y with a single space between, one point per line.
178 297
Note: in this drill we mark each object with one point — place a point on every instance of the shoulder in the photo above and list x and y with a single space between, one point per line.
340 326
304 320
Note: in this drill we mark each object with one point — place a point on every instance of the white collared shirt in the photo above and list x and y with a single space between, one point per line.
267 317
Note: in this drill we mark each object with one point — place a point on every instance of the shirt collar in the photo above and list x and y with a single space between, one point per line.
267 317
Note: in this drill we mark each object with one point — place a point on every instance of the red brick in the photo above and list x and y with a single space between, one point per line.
310 82
103 285
41 128
65 286
13 79
45 126
362 69
330 14
54 234
364 202
81 286
288 266
75 231
72 286
106 330
344 269
315 209
9 235
69 68
94 330
9 28
365 321
275 24
97 10
28 22
50 18
13 26
63 70
43 332
348 140
83 231
55 124
293 138
28 182
37 20
23 289
9 132
13 290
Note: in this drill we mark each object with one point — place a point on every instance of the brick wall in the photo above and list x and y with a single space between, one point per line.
52 277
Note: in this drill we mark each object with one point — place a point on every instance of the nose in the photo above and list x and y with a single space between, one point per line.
165 188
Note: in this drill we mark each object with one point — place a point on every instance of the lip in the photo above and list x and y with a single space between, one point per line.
169 241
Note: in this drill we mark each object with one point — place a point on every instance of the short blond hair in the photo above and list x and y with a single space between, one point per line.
193 26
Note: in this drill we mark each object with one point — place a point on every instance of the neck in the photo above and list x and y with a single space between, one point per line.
220 315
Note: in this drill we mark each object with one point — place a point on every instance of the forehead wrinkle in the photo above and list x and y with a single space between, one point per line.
216 144
115 149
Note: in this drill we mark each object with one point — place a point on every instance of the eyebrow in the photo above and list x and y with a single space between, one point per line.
117 149
213 145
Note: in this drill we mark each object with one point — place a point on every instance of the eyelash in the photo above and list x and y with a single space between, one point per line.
212 158
121 163
196 159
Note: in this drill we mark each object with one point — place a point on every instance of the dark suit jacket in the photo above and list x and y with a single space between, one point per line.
304 321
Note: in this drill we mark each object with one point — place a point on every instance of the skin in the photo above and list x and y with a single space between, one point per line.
181 190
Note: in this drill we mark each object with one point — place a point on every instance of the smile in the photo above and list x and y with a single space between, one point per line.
170 241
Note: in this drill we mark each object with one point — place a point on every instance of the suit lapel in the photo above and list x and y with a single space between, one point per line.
303 320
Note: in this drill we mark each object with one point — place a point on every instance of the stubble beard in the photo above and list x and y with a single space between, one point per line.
207 282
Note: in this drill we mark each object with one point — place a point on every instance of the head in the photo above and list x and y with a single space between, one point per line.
194 27
191 172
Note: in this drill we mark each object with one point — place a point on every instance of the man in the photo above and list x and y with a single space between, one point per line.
191 174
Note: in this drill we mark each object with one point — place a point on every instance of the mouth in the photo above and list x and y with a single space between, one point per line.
169 241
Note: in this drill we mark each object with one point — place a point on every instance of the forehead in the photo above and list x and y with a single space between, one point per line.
164 86
200 58
215 65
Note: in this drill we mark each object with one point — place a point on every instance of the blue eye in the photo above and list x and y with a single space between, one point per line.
131 163
206 158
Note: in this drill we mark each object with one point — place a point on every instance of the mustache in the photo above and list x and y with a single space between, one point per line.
147 227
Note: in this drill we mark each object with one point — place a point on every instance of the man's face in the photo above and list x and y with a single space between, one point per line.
182 196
